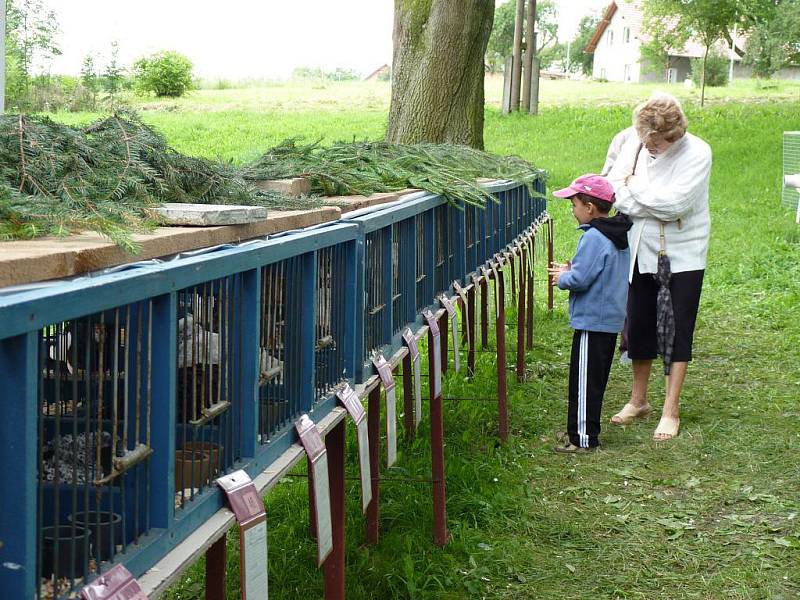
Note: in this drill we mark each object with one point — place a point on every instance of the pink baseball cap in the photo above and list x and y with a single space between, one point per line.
592 185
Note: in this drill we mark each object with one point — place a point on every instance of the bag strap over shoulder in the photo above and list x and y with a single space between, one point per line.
663 235
636 158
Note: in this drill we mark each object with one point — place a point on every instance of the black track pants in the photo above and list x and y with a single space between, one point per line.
590 364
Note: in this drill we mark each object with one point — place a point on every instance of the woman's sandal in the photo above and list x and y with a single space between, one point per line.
630 413
667 429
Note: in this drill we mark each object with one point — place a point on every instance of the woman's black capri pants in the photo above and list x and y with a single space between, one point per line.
642 338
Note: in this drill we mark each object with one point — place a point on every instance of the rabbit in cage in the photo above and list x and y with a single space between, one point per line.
193 338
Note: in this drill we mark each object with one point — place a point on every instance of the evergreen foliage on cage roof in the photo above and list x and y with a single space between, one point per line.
108 177
371 167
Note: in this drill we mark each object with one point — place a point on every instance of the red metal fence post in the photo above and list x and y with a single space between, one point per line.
471 324
549 262
216 559
500 331
335 563
521 318
374 431
531 298
484 314
437 455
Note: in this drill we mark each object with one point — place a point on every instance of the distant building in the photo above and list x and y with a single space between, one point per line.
378 74
617 48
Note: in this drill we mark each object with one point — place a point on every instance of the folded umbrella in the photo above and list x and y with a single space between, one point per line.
665 316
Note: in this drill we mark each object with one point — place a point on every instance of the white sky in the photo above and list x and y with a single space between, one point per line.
244 38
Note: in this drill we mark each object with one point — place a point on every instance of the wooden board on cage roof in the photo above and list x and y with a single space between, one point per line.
294 186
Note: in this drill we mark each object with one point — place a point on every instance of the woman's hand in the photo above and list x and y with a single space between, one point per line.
556 270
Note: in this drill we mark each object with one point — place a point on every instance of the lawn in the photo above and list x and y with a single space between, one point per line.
713 514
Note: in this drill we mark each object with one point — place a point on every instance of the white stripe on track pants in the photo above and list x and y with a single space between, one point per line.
590 364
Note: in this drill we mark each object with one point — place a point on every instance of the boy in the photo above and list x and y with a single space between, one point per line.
597 278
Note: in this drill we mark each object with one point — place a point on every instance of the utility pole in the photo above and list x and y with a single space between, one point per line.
530 51
516 73
733 53
3 56
533 104
569 45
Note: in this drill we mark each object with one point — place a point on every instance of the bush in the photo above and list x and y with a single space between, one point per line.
716 70
164 73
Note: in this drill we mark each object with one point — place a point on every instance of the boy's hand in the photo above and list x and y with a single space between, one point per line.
556 269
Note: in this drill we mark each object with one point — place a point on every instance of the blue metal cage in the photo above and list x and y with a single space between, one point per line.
126 394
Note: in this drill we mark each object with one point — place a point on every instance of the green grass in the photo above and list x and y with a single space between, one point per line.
359 96
714 514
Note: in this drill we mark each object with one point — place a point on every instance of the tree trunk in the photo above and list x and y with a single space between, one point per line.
703 80
437 71
516 77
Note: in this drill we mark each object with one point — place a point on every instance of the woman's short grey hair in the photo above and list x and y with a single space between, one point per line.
662 116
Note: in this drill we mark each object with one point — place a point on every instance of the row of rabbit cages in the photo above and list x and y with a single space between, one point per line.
413 253
125 395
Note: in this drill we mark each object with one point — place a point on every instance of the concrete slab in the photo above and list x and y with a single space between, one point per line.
205 215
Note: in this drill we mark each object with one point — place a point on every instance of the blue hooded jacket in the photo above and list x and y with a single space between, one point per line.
598 278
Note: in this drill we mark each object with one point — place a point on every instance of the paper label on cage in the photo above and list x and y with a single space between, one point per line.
531 256
496 290
387 378
437 366
456 341
391 426
243 497
413 350
322 501
363 461
453 316
462 293
349 398
435 375
384 369
411 341
417 391
310 437
254 558
115 584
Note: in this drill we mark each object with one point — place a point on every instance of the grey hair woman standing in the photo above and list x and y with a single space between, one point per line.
661 179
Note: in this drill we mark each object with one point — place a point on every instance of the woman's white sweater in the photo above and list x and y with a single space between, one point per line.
671 188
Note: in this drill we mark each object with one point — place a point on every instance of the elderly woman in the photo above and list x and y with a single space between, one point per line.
661 181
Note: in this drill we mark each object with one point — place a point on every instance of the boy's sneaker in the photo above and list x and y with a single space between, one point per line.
570 448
